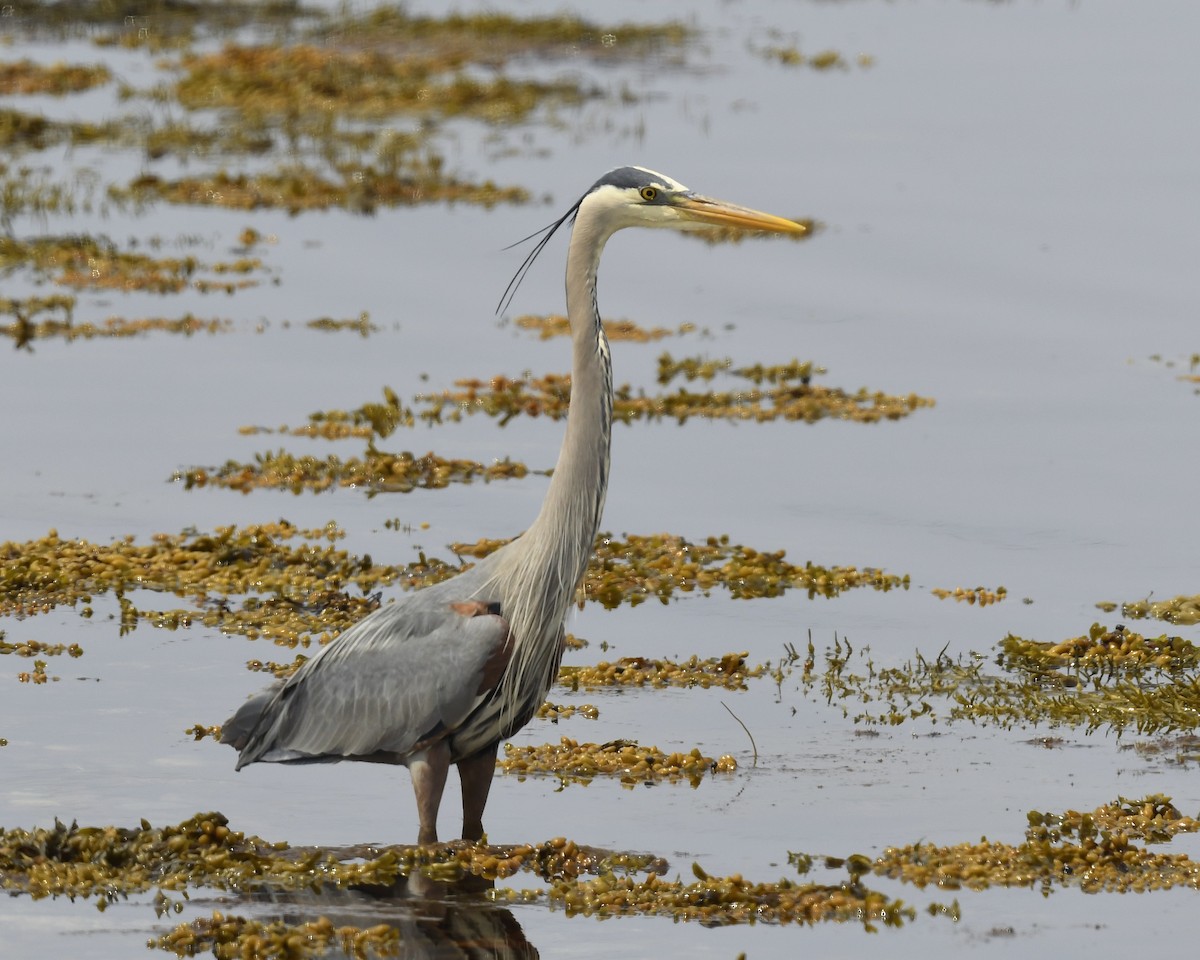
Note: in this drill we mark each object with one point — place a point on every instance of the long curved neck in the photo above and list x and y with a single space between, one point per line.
538 573
565 530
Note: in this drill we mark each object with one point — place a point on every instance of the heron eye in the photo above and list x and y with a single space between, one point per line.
649 194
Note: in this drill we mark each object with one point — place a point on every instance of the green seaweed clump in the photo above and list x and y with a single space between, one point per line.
564 711
36 648
23 332
720 901
1182 610
557 325
95 263
366 83
1093 851
640 568
1152 686
58 79
729 671
31 131
292 592
373 419
792 57
1104 651
111 863
549 396
977 595
233 937
377 471
361 324
574 762
297 189
493 37
279 582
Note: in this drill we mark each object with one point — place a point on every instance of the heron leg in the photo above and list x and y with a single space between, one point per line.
476 774
428 770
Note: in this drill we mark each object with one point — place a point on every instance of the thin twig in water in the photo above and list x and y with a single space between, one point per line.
753 745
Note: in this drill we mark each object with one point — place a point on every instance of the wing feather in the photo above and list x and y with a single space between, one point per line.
399 679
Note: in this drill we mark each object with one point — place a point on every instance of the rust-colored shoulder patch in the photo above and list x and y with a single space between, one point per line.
476 608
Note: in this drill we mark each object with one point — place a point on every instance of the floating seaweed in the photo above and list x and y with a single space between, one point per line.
298 189
281 583
729 671
96 263
825 60
1092 851
564 711
57 79
376 471
974 595
574 762
1182 610
31 131
557 325
1103 650
504 398
1112 679
493 37
366 83
23 331
233 936
720 901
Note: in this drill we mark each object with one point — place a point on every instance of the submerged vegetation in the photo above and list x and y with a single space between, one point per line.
1108 679
376 471
1105 849
789 396
58 79
96 263
1094 851
557 325
293 586
780 392
974 595
343 110
297 189
1183 610
110 864
730 671
368 83
574 762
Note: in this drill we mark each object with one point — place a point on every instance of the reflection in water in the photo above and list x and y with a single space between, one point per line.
432 919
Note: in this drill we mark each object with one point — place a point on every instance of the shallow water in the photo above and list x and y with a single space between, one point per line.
1008 196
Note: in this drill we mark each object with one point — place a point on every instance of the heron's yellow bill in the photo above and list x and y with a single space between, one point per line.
718 213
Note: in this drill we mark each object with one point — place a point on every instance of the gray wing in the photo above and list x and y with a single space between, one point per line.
398 680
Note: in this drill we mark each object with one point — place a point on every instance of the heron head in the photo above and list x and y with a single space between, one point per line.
637 197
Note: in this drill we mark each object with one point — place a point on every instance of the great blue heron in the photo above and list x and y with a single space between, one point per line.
443 675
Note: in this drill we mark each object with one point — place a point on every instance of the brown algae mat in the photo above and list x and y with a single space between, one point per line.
779 392
1105 849
293 586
